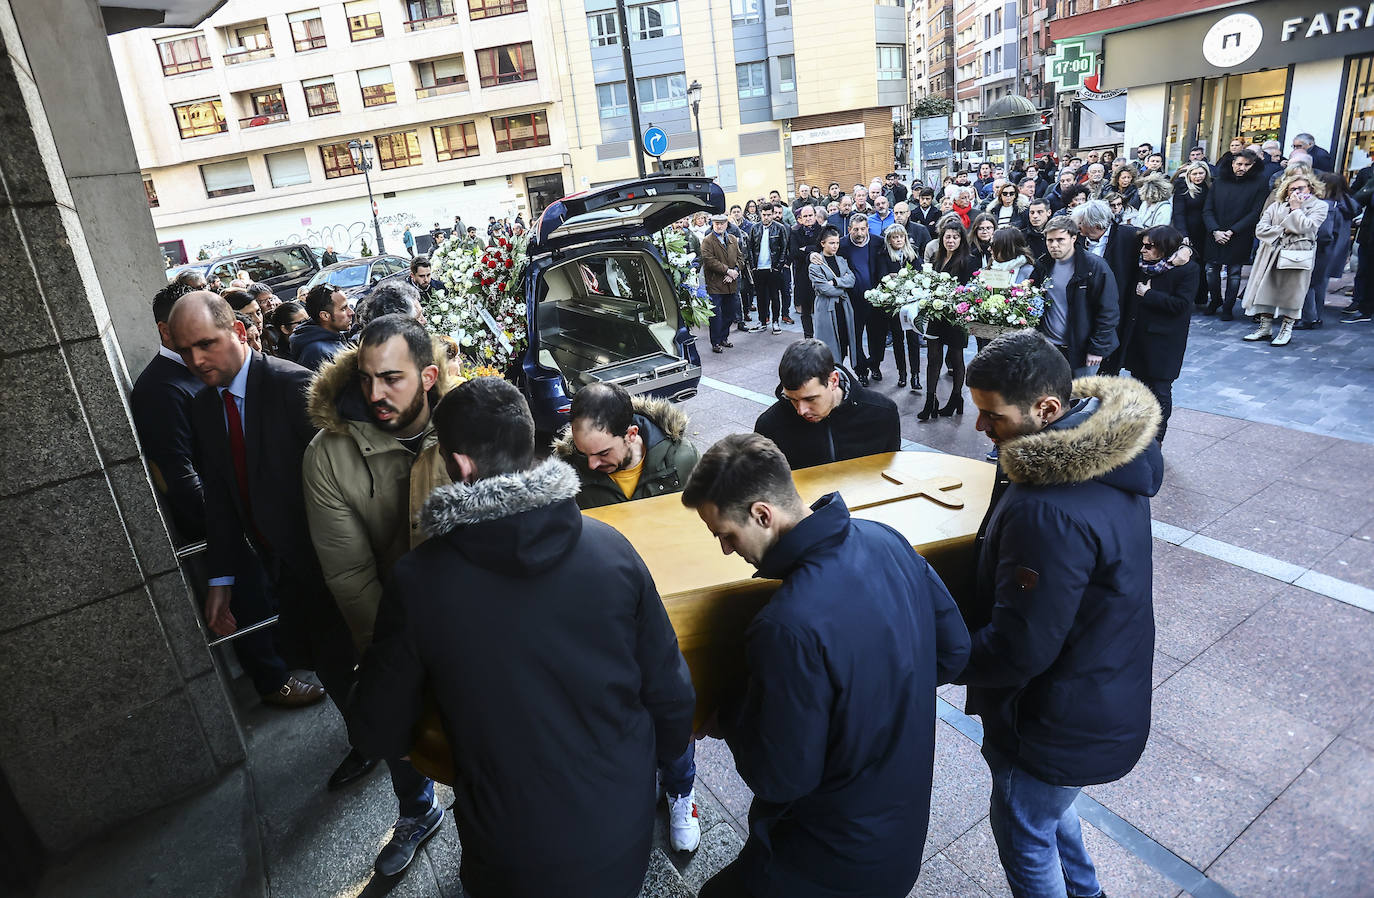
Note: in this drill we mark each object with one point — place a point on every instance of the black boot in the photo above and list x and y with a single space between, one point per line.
932 408
955 406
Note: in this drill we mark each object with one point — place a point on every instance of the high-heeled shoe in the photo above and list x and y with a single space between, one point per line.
931 409
955 406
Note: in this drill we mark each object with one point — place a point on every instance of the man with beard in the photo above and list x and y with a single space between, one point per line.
366 475
1037 216
1231 212
840 220
421 279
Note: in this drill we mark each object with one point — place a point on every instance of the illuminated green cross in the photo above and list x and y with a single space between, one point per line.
1071 64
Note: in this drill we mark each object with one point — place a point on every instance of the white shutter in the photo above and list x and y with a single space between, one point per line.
360 7
226 175
448 68
316 82
374 77
288 169
304 15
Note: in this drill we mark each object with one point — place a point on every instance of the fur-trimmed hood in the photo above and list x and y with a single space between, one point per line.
335 402
492 498
1108 437
670 421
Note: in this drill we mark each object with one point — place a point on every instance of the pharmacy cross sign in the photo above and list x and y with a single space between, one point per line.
1071 63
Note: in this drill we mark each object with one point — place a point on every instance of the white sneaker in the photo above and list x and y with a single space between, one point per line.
684 826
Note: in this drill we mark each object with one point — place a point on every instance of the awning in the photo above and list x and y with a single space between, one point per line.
1111 111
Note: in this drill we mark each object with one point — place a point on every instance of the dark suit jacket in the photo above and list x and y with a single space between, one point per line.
1122 256
161 404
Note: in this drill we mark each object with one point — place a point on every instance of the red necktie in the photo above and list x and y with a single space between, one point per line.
239 450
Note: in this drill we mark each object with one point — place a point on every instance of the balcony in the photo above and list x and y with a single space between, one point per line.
440 90
267 118
235 55
432 22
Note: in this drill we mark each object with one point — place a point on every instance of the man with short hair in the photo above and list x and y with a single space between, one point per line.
1096 180
1154 164
767 251
251 430
894 189
858 249
328 257
881 217
1037 216
1231 212
823 414
366 473
834 192
803 242
984 183
1321 159
862 204
781 210
331 316
393 296
927 211
422 280
840 220
721 263
1081 316
917 234
1063 623
833 729
803 197
555 758
1055 196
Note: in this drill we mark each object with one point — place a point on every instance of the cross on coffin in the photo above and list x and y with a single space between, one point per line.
936 489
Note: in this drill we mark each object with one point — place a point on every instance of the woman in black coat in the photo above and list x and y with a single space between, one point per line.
1191 187
1163 310
955 256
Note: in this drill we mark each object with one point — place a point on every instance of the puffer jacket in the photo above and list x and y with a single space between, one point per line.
669 456
363 489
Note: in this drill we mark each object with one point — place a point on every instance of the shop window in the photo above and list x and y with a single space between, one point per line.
321 96
1357 142
200 118
399 150
307 30
486 9
338 162
509 64
456 141
520 132
180 55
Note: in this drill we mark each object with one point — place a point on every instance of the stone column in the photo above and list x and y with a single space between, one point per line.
110 704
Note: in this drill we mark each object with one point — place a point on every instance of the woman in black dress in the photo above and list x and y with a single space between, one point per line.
1191 186
955 257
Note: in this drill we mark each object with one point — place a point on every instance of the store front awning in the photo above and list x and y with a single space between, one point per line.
1112 111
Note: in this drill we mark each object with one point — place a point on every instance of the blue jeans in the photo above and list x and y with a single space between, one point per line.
1039 838
414 791
677 777
722 305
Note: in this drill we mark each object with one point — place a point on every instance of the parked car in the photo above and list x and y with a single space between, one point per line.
600 302
283 268
357 277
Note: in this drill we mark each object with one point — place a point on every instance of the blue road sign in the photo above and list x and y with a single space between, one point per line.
655 141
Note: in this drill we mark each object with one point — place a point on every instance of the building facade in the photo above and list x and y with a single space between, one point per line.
1199 74
772 112
242 124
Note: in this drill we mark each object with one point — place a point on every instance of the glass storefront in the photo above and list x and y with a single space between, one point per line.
1357 136
1208 112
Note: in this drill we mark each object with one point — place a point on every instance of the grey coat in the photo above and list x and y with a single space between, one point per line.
832 301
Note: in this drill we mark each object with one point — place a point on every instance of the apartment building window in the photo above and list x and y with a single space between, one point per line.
267 105
782 8
509 64
787 73
321 96
662 92
752 79
338 163
745 12
378 88
200 118
652 20
288 168
901 3
398 150
251 37
441 76
307 30
613 99
364 19
180 55
487 9
424 10
150 190
520 132
891 62
602 29
456 141
226 178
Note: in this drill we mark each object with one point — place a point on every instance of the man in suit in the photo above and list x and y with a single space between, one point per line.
252 429
1119 246
161 404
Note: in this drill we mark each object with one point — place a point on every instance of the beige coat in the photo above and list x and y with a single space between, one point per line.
1281 291
363 490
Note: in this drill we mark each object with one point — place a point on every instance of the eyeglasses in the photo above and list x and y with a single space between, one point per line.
1145 244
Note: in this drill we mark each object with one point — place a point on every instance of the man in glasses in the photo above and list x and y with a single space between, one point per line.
1321 159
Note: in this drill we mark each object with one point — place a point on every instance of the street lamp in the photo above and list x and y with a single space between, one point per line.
694 97
361 151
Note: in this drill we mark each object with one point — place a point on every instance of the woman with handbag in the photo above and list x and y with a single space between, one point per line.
1287 235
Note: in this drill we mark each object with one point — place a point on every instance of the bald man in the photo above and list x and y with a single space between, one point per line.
252 429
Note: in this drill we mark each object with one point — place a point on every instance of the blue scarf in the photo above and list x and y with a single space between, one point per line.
1150 269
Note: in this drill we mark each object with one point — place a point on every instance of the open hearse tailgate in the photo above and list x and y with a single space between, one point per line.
630 209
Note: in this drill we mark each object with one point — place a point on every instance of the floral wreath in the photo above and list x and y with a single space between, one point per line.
480 302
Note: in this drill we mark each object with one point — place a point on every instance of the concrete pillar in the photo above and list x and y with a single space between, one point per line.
110 704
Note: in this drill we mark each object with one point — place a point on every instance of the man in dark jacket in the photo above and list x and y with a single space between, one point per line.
543 641
822 414
1119 246
858 248
805 240
1232 210
1321 159
917 234
1361 308
1082 313
1037 216
1060 673
833 729
331 316
767 251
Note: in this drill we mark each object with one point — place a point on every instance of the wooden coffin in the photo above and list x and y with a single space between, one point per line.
936 501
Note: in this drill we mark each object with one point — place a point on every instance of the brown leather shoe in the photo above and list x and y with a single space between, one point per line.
294 694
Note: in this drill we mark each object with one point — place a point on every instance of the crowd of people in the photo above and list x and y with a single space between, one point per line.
418 545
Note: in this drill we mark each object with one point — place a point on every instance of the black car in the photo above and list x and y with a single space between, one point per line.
357 277
283 268
601 305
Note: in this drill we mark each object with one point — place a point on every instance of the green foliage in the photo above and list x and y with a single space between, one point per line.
366 250
202 254
930 107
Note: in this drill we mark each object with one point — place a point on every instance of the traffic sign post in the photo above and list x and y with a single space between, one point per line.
655 141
